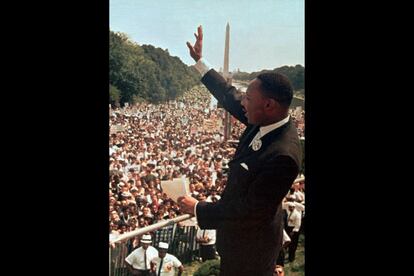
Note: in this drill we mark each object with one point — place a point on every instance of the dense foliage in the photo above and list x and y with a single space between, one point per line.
209 268
296 74
145 73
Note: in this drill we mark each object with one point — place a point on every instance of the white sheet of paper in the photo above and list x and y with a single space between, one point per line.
176 187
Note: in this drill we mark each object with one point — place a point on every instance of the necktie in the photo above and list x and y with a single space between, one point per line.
159 269
204 234
145 259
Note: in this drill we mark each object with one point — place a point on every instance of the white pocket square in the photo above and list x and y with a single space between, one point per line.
244 166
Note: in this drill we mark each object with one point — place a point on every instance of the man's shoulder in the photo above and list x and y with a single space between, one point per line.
134 253
171 257
286 144
153 249
139 249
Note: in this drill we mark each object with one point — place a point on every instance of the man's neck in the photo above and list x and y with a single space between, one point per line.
264 129
273 120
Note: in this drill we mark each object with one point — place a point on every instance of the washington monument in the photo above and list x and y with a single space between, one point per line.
227 77
226 53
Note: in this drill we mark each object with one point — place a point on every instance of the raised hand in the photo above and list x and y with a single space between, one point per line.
196 51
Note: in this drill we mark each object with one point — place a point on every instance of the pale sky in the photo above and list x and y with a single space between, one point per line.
264 34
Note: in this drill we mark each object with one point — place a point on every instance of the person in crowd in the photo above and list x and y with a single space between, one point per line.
207 240
285 245
166 264
139 261
293 226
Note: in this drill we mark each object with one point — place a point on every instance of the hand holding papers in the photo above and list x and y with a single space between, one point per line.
176 187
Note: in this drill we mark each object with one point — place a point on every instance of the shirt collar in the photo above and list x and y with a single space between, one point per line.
266 129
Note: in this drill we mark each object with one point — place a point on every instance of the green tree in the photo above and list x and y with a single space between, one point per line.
209 268
145 72
114 95
296 75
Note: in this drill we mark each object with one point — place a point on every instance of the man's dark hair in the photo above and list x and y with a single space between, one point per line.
276 86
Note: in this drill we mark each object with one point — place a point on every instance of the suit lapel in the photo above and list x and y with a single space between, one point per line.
245 140
271 136
244 150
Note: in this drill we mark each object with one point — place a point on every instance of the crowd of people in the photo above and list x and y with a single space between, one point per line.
150 143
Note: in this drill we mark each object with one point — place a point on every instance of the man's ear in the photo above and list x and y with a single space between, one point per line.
271 104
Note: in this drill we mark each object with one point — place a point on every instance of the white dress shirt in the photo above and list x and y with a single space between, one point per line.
298 206
294 220
286 237
169 263
266 129
202 66
209 233
136 258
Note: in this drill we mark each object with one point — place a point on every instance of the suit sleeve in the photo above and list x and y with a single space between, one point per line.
224 93
265 193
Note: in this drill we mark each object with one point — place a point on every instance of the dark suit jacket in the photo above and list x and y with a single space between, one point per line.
249 216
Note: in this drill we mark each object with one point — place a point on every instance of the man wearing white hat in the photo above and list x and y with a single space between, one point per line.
294 220
138 262
165 264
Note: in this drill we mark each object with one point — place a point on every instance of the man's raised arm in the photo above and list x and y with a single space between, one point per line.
226 94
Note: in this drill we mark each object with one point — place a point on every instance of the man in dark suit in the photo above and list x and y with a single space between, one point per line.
248 217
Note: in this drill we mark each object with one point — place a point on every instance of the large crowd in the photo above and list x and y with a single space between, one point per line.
150 143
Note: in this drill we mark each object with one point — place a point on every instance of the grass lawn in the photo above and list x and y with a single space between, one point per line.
297 268
189 269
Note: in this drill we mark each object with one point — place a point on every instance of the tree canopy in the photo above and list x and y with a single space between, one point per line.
145 72
296 75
